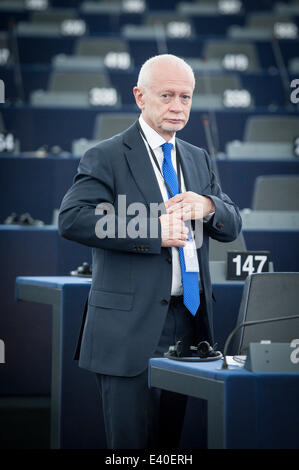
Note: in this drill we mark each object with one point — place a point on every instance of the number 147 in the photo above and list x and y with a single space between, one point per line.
248 265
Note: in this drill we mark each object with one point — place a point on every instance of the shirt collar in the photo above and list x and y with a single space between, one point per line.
154 139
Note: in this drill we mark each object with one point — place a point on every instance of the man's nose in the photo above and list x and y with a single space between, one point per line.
176 105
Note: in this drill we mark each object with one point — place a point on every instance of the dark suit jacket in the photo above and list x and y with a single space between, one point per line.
131 279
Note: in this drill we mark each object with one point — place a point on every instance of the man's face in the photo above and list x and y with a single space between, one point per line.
166 102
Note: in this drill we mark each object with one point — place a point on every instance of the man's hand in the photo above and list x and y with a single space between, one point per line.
190 206
173 230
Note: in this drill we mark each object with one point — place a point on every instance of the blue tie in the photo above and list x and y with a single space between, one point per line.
189 279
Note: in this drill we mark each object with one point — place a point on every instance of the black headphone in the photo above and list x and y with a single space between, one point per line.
201 353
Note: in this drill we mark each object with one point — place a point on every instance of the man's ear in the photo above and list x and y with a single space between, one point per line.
139 97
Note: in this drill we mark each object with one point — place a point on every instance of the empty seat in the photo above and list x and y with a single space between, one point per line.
80 146
160 24
266 20
202 7
268 295
218 271
50 23
215 92
218 251
259 150
77 81
199 65
95 54
270 219
6 57
104 6
262 26
89 46
271 129
53 16
278 193
291 8
165 18
77 89
220 49
216 84
109 124
15 5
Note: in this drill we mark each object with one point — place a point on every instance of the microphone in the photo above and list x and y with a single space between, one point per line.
211 148
17 66
249 323
283 72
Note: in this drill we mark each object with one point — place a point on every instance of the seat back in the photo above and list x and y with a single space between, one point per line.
268 295
99 47
271 129
216 84
109 124
219 49
78 81
218 250
278 193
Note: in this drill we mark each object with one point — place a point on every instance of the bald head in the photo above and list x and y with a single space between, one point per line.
152 69
164 93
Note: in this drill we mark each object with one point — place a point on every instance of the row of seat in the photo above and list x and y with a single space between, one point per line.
259 22
212 91
230 7
95 51
264 136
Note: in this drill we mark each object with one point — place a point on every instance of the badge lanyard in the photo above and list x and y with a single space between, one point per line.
157 164
191 261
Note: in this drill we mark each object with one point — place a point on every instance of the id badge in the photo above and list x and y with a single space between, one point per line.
190 254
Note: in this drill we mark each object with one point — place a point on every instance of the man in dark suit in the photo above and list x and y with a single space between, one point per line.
147 292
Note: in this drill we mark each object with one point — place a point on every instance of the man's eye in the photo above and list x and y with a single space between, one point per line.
165 95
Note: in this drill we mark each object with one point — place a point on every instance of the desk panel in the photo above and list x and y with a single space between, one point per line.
282 244
258 410
26 327
70 383
34 185
238 176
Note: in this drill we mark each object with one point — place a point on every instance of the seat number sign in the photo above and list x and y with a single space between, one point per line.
240 264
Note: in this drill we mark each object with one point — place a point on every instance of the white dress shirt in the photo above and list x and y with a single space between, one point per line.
155 140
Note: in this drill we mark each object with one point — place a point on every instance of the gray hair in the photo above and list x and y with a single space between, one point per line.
144 77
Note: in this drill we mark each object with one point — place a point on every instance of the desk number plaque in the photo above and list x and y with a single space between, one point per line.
240 264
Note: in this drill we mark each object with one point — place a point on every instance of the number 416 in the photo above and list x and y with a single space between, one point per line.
248 264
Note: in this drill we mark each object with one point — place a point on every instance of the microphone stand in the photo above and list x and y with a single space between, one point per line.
283 72
211 147
17 66
249 323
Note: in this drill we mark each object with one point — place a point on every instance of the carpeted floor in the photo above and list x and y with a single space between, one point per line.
25 422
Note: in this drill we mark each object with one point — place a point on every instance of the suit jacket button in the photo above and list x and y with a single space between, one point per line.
169 260
164 302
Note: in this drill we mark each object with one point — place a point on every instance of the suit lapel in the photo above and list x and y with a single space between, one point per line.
195 180
141 166
188 167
